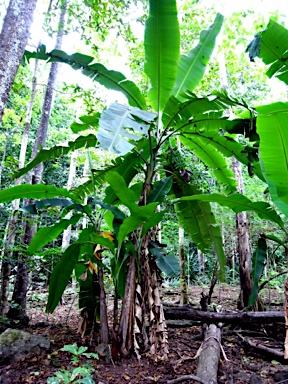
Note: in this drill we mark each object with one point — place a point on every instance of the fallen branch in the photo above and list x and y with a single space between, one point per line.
187 313
187 377
264 351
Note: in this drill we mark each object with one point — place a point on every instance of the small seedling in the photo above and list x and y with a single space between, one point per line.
82 374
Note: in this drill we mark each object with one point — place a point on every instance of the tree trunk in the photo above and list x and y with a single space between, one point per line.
48 100
13 40
21 281
244 254
183 283
9 242
71 182
245 265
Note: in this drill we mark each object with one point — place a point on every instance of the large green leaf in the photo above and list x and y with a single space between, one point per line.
169 264
192 65
36 191
124 194
45 203
272 47
176 113
258 263
118 127
83 142
138 216
97 72
162 50
87 122
272 129
199 222
47 234
160 190
211 157
61 274
225 144
239 203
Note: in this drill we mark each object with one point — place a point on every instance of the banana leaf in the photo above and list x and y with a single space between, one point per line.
199 222
162 50
193 64
239 203
210 156
119 125
258 262
47 234
272 129
113 80
89 141
36 191
61 274
272 47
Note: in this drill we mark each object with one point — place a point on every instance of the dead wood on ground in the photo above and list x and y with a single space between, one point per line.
209 355
187 313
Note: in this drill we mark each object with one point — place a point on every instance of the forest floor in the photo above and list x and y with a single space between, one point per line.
62 325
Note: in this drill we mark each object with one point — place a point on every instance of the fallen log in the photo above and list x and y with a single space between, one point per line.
209 355
187 377
187 313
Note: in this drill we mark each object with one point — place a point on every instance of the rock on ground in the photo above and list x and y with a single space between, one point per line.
16 345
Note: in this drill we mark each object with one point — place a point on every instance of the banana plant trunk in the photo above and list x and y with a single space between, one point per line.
142 297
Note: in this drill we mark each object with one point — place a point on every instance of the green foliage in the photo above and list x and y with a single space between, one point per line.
191 69
110 79
270 45
36 191
258 263
57 151
239 203
116 124
131 176
61 275
271 126
83 373
47 234
162 50
169 264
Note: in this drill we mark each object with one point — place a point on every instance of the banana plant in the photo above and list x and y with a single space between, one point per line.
139 133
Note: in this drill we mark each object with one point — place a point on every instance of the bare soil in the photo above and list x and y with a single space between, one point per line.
239 366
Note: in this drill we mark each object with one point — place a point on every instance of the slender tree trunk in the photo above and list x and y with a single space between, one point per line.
9 242
183 280
13 40
3 156
183 283
70 184
21 282
244 254
48 100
